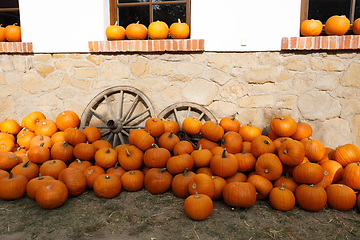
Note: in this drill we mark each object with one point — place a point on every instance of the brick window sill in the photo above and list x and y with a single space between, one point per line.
16 47
321 43
171 45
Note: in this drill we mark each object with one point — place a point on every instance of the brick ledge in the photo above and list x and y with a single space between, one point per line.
147 45
16 47
321 42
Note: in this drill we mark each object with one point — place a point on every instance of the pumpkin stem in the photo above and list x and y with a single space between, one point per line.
108 151
65 144
222 140
155 145
116 165
40 177
179 21
193 186
287 175
11 175
127 152
42 144
170 135
107 177
267 142
78 161
200 147
185 172
285 151
53 162
266 170
116 23
162 170
177 153
41 137
282 187
26 164
233 117
196 195
250 124
132 172
224 153
243 151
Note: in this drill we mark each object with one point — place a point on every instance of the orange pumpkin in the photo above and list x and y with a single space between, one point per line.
311 27
67 119
180 183
136 31
179 30
355 26
13 33
158 30
198 206
2 34
10 126
283 126
133 180
337 25
115 32
52 194
107 186
45 127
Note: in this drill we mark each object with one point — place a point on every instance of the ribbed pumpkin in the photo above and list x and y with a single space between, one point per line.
10 126
6 145
311 198
28 169
314 149
249 131
351 175
286 181
239 194
180 183
116 170
224 165
132 180
337 25
262 144
269 166
340 197
230 124
356 26
45 127
304 130
246 161
67 119
74 180
103 143
198 206
201 157
52 168
91 173
183 147
333 170
24 137
107 186
179 30
291 152
142 139
156 157
262 185
283 126
130 158
106 157
157 180
170 126
38 140
136 31
8 160
30 120
191 125
179 163
74 136
232 141
237 177
13 33
57 137
2 34
168 140
154 126
281 198
309 173
158 30
311 28
13 187
62 151
92 134
81 165
84 151
115 32
206 144
38 154
51 195
34 184
203 184
346 154
219 184
212 131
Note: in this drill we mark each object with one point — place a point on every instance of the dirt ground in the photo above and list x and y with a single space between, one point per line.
140 215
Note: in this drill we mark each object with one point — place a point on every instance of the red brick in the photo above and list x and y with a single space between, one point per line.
309 43
143 46
285 43
138 46
156 45
181 45
107 46
175 45
112 46
201 44
126 45
333 42
293 42
355 42
301 43
90 44
1 47
194 45
347 42
150 45
168 44
96 46
341 42
325 42
317 42
162 45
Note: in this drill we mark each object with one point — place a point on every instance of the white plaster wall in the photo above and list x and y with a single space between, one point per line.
63 26
244 25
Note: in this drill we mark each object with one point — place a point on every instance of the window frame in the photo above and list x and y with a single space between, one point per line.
305 6
114 7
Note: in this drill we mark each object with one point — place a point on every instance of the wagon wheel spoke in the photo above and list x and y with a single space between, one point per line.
121 137
130 109
99 116
177 119
121 102
109 107
136 116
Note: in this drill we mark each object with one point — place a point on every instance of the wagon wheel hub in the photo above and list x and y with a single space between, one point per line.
115 126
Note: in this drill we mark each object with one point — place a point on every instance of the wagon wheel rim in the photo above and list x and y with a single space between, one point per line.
179 111
116 111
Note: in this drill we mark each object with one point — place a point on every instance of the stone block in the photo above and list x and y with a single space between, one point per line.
286 101
44 58
47 99
220 60
217 76
30 82
356 128
172 93
2 79
113 70
233 91
326 82
258 101
350 108
140 67
190 68
6 64
8 90
5 105
223 109
302 81
295 64
284 76
82 84
270 59
200 91
86 73
52 82
260 75
351 77
64 65
95 59
325 64
245 60
270 88
178 78
162 68
43 70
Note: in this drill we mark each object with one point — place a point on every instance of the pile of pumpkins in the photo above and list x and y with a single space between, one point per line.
156 30
51 160
10 33
335 25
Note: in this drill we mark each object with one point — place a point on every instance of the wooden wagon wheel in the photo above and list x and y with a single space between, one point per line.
116 111
179 111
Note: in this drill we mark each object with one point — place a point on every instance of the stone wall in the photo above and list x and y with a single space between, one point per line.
321 88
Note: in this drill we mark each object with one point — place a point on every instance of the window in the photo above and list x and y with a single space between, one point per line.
9 12
323 9
147 11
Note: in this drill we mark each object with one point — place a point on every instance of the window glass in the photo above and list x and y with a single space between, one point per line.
132 1
357 10
323 9
9 12
133 14
169 13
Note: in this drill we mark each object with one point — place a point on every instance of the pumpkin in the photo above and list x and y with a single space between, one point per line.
132 180
269 166
239 194
156 157
198 206
351 175
249 131
355 26
136 31
74 180
9 136
179 30
4 174
205 170
237 177
30 120
92 134
201 157
183 147
219 184
52 168
67 119
283 126
262 144
84 151
28 169
324 183
206 144
168 140
130 158
154 126
224 165
202 184
51 195
102 143
309 173
170 126
45 127
62 151
13 33
232 141
2 34
8 160
340 197
116 170
262 185
74 136
6 145
247 147
230 124
314 149
291 152
272 135
24 137
212 131
10 126
158 30
38 154
333 170
304 130
179 163
34 184
115 32
310 197
337 25
218 150
157 180
106 157
81 165
40 139
13 187
246 161
191 125
180 183
346 154
142 139
278 142
281 198
107 186
311 28
286 181
91 173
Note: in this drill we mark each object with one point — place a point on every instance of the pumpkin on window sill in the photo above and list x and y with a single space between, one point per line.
179 30
158 30
337 25
355 27
115 32
136 31
13 33
311 28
